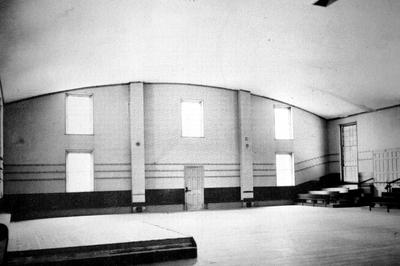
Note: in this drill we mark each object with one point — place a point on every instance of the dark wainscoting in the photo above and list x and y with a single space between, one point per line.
274 193
165 196
330 180
284 193
28 206
222 194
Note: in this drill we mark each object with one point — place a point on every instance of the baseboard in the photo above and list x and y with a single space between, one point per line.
273 203
165 208
71 212
224 205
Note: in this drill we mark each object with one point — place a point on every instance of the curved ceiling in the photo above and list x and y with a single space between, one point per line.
333 61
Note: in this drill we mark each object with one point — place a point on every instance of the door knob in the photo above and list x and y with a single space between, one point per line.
186 189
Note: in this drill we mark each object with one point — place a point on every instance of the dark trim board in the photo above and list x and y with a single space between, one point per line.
284 193
165 196
221 194
28 206
44 205
274 193
177 196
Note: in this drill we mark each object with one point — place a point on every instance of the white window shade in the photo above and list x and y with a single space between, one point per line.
284 170
192 118
283 123
79 172
79 114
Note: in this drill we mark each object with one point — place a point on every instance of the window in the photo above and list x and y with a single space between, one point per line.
283 123
284 170
79 114
192 118
79 172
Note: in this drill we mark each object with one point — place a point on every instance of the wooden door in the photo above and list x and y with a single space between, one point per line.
194 188
349 148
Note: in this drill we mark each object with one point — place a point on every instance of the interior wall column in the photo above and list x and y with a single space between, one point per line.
245 146
136 116
1 142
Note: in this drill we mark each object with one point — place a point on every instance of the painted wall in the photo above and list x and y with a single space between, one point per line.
35 142
309 145
378 135
167 151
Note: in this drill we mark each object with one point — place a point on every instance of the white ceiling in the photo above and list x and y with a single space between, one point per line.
332 61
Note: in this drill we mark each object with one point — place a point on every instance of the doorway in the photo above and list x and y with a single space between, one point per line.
194 188
349 151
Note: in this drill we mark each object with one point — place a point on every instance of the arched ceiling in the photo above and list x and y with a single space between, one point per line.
333 61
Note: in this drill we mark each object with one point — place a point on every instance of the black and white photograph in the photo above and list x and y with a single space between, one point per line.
199 132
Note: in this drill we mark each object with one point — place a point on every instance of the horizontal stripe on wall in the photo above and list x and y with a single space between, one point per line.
189 164
311 166
171 175
111 174
268 170
165 177
180 167
114 177
34 164
62 179
166 170
112 164
264 170
36 179
115 171
31 172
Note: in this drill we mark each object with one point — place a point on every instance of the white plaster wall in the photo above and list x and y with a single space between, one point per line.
35 135
167 149
376 131
163 140
36 141
308 146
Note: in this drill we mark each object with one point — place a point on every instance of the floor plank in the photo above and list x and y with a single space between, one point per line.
284 235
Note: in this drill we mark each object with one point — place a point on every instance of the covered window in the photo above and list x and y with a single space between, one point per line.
283 123
79 114
192 118
284 169
79 172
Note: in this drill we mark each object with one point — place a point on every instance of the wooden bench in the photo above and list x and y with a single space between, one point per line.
314 198
388 200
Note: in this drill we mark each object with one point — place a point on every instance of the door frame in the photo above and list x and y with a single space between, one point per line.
341 126
185 183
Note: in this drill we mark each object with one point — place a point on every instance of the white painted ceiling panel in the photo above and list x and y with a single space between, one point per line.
332 61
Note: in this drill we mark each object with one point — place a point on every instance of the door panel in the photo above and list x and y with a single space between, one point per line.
349 147
194 188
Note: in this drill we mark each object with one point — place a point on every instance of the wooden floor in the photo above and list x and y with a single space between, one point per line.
95 240
285 235
83 231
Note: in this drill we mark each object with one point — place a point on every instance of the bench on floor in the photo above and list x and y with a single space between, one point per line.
345 195
327 196
389 199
